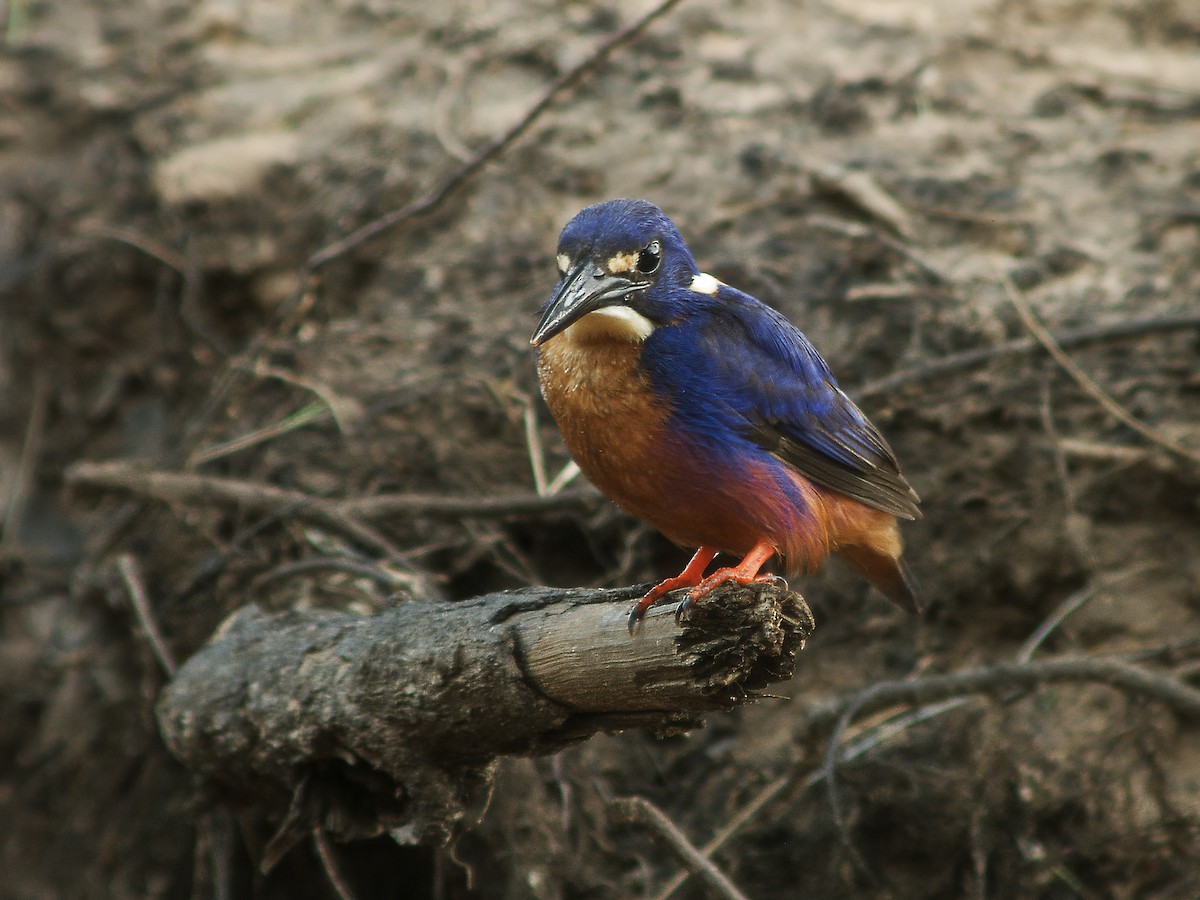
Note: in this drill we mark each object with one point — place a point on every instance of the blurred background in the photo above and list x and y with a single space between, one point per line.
909 182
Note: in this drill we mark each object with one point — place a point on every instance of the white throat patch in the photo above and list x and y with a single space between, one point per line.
612 323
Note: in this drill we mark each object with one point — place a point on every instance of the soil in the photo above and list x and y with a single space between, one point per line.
167 168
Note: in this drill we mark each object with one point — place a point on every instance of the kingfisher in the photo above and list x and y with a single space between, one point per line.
706 413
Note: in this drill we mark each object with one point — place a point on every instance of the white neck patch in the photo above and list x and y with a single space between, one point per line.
612 323
705 284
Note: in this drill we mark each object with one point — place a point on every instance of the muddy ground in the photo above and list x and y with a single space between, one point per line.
167 168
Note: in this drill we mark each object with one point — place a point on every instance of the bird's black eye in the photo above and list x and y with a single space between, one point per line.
650 257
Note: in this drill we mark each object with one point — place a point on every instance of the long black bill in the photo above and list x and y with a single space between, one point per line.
585 288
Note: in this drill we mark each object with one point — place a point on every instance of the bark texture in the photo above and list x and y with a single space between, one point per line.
392 722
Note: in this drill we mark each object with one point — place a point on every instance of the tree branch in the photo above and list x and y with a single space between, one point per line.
365 724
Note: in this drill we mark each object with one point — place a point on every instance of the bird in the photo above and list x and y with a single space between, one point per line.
706 413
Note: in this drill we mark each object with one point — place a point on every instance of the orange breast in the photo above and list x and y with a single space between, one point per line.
618 430
610 420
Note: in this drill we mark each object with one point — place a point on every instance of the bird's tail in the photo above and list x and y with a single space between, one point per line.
888 573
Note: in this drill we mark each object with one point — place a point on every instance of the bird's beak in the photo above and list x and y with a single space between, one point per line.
582 290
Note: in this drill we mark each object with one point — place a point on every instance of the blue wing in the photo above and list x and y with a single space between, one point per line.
779 393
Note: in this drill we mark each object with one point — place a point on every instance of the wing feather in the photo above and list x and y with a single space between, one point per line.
785 399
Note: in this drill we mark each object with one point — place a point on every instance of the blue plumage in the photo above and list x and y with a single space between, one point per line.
731 383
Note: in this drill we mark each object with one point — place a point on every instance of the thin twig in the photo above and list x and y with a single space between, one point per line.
1111 406
1073 522
938 695
13 510
288 314
183 487
1095 451
212 869
492 148
1183 647
775 789
1116 673
347 516
306 415
1069 606
329 864
452 86
793 780
132 576
566 792
568 473
387 505
861 232
353 567
146 244
347 411
185 265
862 190
364 533
642 812
1060 458
533 443
970 359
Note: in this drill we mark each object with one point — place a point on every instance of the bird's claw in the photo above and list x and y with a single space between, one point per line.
683 609
639 612
635 616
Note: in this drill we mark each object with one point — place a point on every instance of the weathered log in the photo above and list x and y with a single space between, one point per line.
392 722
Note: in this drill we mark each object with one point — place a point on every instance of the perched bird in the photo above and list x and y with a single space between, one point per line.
709 415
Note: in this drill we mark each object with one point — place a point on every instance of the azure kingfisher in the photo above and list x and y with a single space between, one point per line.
706 413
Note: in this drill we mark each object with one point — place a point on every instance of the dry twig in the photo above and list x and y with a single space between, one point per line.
862 190
325 853
305 415
12 511
132 576
352 567
181 487
492 148
937 695
860 232
1068 365
800 781
288 315
970 359
1116 673
640 811
1050 624
183 264
143 242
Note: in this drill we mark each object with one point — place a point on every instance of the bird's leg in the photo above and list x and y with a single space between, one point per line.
692 575
745 572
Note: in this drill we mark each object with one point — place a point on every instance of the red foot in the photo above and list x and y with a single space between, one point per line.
692 575
745 572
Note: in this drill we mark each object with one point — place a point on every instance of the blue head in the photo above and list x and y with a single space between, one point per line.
621 258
